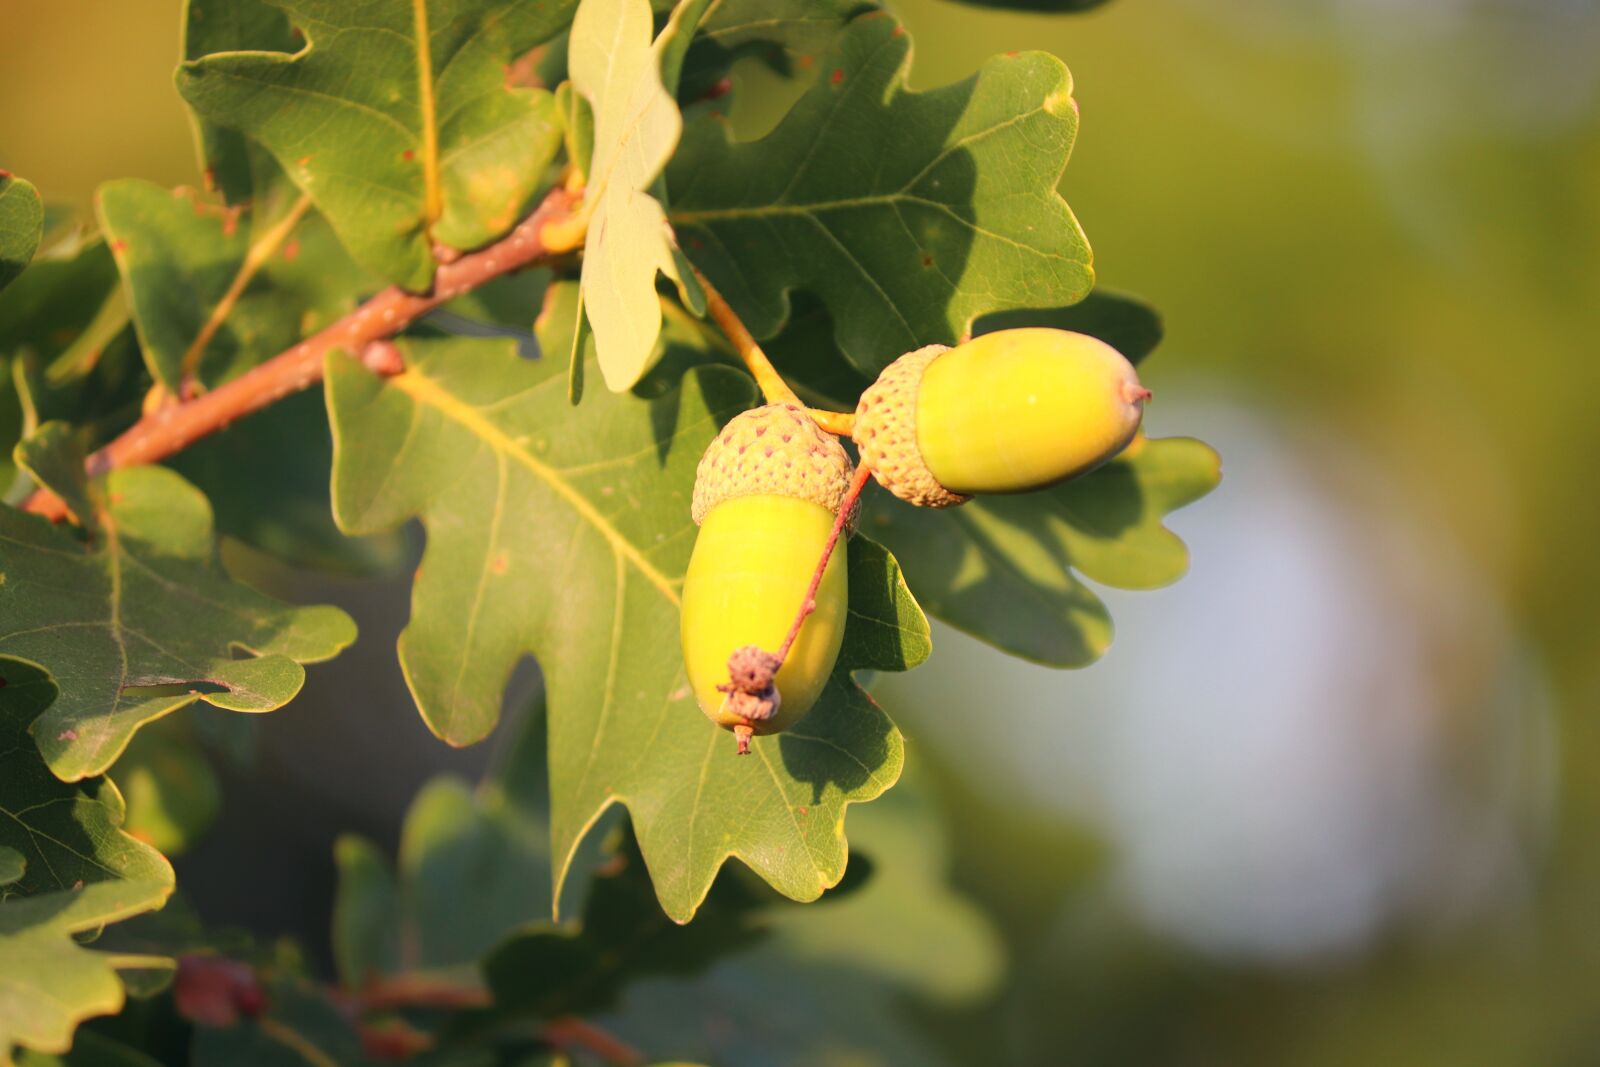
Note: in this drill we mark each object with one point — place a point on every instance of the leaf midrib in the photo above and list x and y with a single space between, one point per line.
424 390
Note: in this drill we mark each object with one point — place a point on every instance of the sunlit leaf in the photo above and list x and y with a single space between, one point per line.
79 871
396 118
909 214
135 623
615 66
564 532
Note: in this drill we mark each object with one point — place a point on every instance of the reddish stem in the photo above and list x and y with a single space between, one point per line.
809 604
572 1032
175 427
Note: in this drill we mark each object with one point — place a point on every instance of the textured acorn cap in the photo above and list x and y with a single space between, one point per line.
886 432
778 450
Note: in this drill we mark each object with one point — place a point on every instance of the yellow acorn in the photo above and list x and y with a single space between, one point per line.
1006 412
766 498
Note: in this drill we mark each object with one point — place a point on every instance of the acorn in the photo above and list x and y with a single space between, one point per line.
766 497
1007 412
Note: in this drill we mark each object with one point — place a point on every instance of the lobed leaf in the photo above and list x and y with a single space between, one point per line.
396 118
134 623
66 868
615 66
909 214
564 532
213 292
787 35
230 160
829 982
1005 568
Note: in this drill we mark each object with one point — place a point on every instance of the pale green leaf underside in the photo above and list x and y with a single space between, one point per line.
909 214
636 126
145 605
397 119
21 225
1006 568
564 532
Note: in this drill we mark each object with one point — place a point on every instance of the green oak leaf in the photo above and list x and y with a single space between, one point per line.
135 622
828 982
909 214
217 292
1005 568
21 226
79 872
457 844
564 532
229 160
396 118
181 259
47 310
787 35
544 971
618 70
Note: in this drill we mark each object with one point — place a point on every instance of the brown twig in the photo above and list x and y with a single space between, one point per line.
173 428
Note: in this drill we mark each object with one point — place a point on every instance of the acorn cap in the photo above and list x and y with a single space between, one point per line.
776 450
886 432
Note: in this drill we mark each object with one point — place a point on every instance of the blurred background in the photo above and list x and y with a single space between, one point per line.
1335 797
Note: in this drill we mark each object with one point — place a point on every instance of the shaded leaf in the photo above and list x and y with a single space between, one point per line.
13 865
180 258
828 981
396 118
300 1026
548 971
614 65
80 871
172 793
1005 568
228 159
21 226
90 1049
458 844
564 532
132 624
909 214
1124 322
787 35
